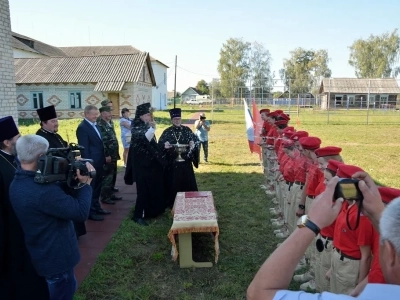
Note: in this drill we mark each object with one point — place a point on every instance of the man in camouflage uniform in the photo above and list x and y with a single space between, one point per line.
111 149
108 102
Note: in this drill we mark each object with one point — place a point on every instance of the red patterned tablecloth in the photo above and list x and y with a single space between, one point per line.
194 212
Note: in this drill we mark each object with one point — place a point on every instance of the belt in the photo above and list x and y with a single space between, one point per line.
289 182
342 255
299 182
311 197
327 238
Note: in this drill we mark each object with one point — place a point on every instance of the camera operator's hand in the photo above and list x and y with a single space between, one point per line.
322 212
85 179
372 203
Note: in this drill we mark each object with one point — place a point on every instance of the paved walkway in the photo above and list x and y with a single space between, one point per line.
99 233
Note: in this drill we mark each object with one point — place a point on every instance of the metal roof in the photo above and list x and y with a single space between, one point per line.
360 86
108 70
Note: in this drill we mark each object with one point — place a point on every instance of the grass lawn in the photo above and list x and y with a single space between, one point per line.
137 264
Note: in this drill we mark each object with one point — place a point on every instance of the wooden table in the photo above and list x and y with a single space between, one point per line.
192 212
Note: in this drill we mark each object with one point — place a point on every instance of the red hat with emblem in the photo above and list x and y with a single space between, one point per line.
333 165
281 122
287 143
298 135
265 110
328 151
347 171
284 117
310 142
388 194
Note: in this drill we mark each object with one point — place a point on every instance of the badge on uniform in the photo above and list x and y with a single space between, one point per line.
320 245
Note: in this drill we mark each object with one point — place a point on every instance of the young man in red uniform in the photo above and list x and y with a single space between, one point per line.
264 131
375 274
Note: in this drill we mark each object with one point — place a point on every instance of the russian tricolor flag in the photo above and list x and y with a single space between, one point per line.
252 129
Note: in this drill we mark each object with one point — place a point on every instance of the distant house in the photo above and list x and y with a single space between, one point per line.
72 77
285 95
358 93
190 94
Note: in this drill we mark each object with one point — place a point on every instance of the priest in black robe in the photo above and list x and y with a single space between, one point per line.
145 166
179 175
48 130
18 277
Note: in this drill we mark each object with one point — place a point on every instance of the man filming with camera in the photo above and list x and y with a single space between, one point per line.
202 127
46 213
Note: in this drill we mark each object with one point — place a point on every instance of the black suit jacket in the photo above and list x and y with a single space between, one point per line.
94 148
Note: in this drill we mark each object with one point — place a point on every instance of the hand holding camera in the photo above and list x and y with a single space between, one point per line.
85 178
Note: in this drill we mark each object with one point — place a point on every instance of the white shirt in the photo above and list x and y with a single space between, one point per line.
370 292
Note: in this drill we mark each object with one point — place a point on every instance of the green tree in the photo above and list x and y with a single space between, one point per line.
261 76
202 86
233 66
377 56
304 69
276 94
215 88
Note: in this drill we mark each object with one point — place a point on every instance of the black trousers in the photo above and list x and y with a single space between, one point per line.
96 187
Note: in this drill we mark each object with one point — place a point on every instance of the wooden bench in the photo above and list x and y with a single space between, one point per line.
192 212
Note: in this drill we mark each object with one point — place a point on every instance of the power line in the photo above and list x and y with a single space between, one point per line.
195 72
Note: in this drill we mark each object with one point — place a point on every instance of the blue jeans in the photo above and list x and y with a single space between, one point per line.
205 149
62 286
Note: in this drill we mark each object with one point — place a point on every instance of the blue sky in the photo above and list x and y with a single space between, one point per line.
196 30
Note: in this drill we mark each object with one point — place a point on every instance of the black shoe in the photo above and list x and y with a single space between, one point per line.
108 201
103 212
205 160
116 198
114 189
96 218
140 221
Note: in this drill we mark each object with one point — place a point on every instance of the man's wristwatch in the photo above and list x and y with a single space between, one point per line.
304 221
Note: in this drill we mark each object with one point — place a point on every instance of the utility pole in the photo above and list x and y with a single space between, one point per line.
176 59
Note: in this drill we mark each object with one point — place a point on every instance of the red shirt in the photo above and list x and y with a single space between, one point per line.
278 142
314 175
288 170
283 162
266 127
375 275
300 168
271 135
349 241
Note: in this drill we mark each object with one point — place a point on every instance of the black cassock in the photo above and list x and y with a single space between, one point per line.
18 278
145 166
179 176
56 141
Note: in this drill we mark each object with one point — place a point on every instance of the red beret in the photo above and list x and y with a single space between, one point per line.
289 129
287 143
328 151
299 134
346 171
333 165
310 142
281 122
279 111
272 114
284 117
388 193
265 110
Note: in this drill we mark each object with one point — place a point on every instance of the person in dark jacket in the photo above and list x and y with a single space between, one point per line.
18 278
145 167
46 214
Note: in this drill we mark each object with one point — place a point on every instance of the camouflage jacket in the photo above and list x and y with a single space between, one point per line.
111 147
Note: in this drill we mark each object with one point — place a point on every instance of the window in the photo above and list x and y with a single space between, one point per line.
144 74
37 99
75 100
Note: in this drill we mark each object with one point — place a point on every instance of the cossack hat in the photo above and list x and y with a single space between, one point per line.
310 142
346 171
47 113
175 113
298 135
388 193
105 102
142 109
333 165
328 151
8 129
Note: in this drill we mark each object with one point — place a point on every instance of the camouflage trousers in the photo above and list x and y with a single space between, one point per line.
107 183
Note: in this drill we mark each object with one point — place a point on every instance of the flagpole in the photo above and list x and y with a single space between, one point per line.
176 59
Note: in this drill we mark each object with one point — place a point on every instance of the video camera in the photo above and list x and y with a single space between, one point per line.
60 164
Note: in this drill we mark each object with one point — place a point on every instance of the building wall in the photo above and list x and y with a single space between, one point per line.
159 99
57 95
18 53
358 101
8 106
